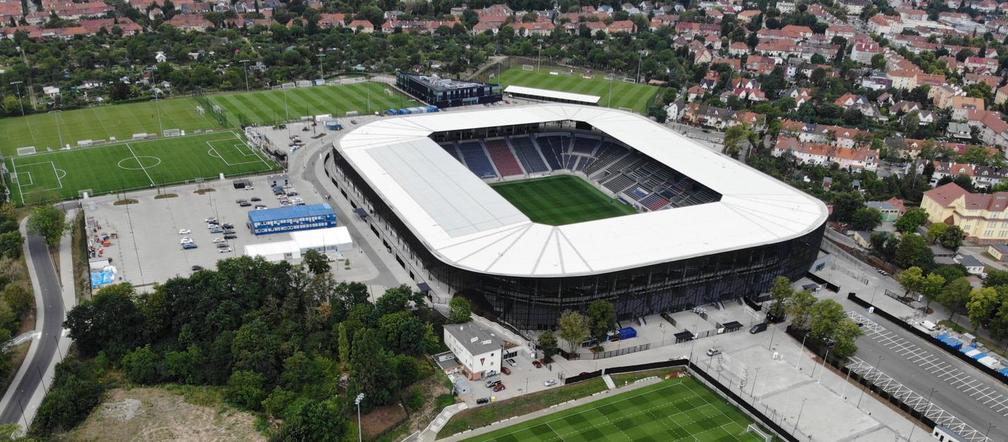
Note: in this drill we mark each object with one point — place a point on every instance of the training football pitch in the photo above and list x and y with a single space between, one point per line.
49 131
623 95
132 165
560 199
677 409
269 107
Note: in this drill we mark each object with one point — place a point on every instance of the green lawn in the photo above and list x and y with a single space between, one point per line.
268 107
560 199
623 95
121 121
131 165
678 409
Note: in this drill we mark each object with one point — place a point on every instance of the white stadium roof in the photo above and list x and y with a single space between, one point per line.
549 93
468 225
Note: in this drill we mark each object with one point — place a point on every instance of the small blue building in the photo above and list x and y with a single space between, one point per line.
291 218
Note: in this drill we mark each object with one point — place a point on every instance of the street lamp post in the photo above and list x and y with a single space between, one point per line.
360 431
245 64
799 414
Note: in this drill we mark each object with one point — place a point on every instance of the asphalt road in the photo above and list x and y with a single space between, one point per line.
960 389
52 327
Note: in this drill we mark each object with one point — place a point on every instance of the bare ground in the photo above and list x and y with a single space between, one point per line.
154 414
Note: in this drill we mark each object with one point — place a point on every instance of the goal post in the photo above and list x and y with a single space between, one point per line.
27 150
528 67
753 428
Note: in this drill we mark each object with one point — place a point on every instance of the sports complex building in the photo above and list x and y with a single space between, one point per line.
699 226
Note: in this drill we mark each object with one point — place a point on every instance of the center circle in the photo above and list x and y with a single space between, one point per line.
138 163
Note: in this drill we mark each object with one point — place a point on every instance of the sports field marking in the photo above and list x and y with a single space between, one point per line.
14 167
237 146
139 163
27 174
56 173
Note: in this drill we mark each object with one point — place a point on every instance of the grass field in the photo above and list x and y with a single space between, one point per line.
131 165
267 107
561 199
634 96
121 121
678 409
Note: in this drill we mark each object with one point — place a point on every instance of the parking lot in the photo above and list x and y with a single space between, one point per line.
146 237
984 391
524 378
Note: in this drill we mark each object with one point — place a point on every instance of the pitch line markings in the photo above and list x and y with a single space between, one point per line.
140 163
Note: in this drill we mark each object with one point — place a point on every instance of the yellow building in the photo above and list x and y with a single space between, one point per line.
983 217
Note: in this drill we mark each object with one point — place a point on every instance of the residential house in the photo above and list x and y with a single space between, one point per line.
998 251
993 129
863 51
477 349
891 209
860 103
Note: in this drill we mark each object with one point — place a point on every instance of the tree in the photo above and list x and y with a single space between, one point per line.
952 237
300 371
10 244
935 231
18 299
601 318
313 420
245 389
866 218
981 306
996 278
734 137
74 391
402 332
395 299
110 322
315 262
913 251
878 62
955 295
573 328
800 309
931 287
548 343
142 366
826 315
845 204
49 222
845 338
912 279
781 292
344 344
459 310
369 370
912 219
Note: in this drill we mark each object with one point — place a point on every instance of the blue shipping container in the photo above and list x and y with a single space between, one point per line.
291 218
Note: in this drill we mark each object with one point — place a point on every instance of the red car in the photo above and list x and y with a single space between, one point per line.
498 387
537 364
505 370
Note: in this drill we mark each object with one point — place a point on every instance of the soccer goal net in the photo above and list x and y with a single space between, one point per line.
28 150
753 428
528 67
171 133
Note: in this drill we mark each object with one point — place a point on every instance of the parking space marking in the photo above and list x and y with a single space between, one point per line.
975 388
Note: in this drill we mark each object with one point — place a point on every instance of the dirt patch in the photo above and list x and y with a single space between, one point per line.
125 201
162 196
202 191
149 414
382 419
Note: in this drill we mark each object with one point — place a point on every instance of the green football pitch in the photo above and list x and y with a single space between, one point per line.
268 107
677 409
560 199
615 93
131 165
49 131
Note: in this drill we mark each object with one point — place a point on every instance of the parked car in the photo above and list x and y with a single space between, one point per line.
549 383
218 240
259 207
537 364
506 370
184 232
227 250
211 220
255 199
482 400
188 245
197 268
185 239
758 328
498 387
713 351
216 229
244 204
227 226
240 201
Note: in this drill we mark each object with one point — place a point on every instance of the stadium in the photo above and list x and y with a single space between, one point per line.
533 210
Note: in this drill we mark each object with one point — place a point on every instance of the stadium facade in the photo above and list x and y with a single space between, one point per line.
443 92
708 229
